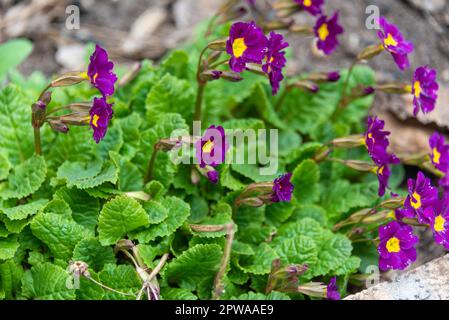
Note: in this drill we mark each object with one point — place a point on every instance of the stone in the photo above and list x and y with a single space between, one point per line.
427 282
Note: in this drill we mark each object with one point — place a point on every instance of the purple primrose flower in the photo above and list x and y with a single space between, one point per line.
326 31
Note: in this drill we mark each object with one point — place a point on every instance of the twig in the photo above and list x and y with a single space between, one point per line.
108 288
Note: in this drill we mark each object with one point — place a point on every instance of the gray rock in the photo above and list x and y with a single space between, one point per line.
428 282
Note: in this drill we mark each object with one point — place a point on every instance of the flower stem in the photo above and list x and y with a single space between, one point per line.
280 102
37 141
108 288
218 283
159 267
343 102
149 175
199 101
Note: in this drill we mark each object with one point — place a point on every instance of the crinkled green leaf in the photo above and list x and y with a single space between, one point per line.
261 262
25 210
15 125
8 247
92 174
177 294
60 233
47 282
178 212
260 296
93 253
118 217
10 278
85 209
156 211
5 167
332 254
195 268
25 178
297 250
122 278
171 95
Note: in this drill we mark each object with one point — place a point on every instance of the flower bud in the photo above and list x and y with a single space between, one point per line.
231 76
302 30
46 97
194 176
324 77
211 75
213 57
131 75
360 165
394 88
307 85
58 125
251 202
218 45
349 142
370 52
68 79
313 289
38 114
280 24
393 203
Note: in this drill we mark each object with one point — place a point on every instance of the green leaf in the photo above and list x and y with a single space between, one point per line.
260 263
131 134
130 178
5 167
176 64
118 217
10 278
195 268
122 278
171 95
25 179
310 211
58 206
164 170
305 227
88 290
15 125
47 282
25 210
59 233
156 211
260 296
85 209
332 254
177 294
336 201
348 267
87 175
8 247
297 250
93 253
260 101
13 53
305 179
178 210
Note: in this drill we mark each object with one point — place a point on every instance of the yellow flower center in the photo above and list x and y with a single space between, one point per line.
436 156
239 47
95 77
307 3
393 245
416 200
439 224
95 120
391 215
381 170
390 41
208 146
418 89
323 32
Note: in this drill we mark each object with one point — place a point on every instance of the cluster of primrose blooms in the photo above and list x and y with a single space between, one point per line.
250 49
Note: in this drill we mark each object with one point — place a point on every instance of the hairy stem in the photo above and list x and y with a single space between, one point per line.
159 267
199 101
108 288
149 175
37 141
218 283
343 102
